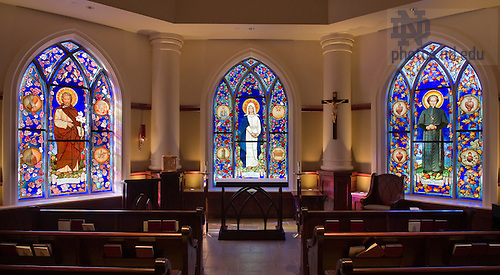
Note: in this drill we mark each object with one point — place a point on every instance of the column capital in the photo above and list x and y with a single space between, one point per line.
166 41
337 42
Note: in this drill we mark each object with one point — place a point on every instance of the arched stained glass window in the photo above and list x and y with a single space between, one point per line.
66 126
435 124
250 124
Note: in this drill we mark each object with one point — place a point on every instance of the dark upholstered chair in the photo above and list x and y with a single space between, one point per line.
386 190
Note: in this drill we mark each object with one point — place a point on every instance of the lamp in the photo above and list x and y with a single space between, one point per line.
142 135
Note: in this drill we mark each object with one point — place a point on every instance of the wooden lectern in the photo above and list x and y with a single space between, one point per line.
336 186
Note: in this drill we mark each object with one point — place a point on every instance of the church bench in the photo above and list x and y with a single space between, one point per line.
375 221
99 249
345 267
35 218
403 249
162 267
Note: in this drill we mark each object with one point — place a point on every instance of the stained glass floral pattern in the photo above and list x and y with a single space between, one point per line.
413 65
443 154
65 125
250 127
32 96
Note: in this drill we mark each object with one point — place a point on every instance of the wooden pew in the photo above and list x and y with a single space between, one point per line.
416 250
124 221
162 267
375 221
345 267
90 249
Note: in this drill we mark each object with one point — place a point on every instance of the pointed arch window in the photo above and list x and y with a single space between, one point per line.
435 125
65 125
250 124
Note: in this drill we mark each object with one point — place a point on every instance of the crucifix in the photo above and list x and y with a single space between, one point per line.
335 103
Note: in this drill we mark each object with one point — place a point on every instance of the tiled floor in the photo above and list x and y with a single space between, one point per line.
251 257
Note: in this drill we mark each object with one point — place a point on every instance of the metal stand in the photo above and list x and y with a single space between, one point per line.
299 204
251 190
205 192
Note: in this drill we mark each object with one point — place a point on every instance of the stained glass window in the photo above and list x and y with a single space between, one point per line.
250 124
435 125
66 126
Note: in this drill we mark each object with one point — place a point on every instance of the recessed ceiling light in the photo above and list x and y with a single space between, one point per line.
251 28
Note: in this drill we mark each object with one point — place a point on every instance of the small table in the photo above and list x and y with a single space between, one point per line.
312 199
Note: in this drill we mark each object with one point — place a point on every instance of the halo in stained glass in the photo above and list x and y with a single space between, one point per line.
254 98
50 164
453 153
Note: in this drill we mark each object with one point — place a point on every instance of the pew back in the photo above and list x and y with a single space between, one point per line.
87 249
419 249
375 221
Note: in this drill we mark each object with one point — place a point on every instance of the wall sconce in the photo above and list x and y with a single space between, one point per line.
142 135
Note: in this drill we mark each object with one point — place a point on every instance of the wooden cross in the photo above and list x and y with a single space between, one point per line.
334 102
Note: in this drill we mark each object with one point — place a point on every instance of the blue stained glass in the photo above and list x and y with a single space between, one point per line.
413 65
432 183
399 105
69 74
54 147
102 105
76 111
235 75
432 77
250 87
452 60
240 109
70 46
250 62
223 109
278 112
469 103
102 162
91 67
31 164
422 103
250 105
223 167
443 163
469 170
432 47
266 76
67 167
48 60
399 156
278 162
32 96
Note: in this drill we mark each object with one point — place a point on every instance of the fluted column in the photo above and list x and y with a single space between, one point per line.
165 113
337 51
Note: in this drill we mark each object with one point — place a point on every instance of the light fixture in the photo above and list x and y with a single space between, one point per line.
142 135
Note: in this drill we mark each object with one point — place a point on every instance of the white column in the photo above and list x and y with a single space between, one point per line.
165 105
337 51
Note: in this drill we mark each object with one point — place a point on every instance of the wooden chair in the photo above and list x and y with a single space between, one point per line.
386 190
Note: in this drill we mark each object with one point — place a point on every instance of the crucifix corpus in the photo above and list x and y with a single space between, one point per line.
335 103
